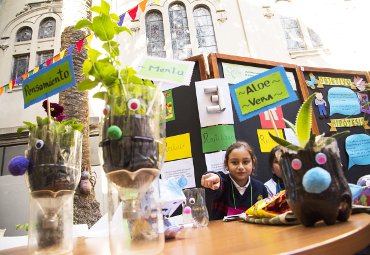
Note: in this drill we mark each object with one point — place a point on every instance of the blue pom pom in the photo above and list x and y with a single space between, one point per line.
18 165
316 180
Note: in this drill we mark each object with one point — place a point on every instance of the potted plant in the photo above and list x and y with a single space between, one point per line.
312 172
132 138
52 166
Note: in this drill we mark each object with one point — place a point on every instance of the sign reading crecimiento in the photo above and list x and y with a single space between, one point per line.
48 81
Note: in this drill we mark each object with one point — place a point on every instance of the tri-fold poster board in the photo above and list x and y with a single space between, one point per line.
203 118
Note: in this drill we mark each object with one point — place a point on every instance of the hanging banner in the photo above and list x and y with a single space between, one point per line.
49 81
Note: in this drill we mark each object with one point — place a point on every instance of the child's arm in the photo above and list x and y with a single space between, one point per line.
211 181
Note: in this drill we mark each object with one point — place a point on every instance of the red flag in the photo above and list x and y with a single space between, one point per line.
79 44
49 61
133 12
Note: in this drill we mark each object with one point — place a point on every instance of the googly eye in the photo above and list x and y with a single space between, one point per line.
192 200
133 104
320 158
296 164
39 144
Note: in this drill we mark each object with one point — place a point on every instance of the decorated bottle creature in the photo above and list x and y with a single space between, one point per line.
315 184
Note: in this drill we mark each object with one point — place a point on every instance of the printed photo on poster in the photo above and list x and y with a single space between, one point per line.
170 109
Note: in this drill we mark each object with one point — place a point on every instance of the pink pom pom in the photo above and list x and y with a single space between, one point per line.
187 210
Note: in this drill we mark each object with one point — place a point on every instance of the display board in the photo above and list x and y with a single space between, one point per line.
344 106
255 130
184 148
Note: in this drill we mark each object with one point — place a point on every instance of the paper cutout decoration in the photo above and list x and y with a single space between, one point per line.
265 141
142 5
343 101
170 108
363 100
49 81
359 83
217 138
348 122
220 89
336 81
312 82
121 19
358 147
178 147
262 92
321 104
277 115
133 12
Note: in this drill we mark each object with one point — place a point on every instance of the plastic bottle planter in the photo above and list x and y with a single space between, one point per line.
133 132
315 184
53 175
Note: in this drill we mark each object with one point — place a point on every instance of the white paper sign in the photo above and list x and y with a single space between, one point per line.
290 136
214 102
177 168
215 161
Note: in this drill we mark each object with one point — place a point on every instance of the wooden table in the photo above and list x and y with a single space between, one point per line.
245 238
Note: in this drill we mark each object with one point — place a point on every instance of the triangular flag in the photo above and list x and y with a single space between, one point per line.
24 76
70 49
36 69
121 19
41 66
79 44
30 73
10 86
48 62
142 5
89 38
18 81
55 58
156 1
133 12
4 89
61 54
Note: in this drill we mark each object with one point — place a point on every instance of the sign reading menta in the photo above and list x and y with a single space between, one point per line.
48 81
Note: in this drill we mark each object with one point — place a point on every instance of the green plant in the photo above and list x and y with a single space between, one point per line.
103 68
22 226
302 128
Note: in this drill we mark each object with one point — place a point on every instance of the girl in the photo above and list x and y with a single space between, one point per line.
275 184
235 192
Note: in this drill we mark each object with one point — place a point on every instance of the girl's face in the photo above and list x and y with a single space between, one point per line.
276 168
240 165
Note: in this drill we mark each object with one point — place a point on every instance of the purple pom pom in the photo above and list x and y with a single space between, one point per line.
18 165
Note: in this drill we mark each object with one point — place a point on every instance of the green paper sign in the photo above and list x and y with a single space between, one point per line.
217 138
261 92
48 81
172 71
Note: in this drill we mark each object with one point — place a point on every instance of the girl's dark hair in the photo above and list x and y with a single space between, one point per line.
237 145
272 155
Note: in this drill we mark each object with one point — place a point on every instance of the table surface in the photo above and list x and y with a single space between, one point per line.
245 238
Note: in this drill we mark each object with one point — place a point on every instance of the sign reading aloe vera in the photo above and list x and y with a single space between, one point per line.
48 81
262 92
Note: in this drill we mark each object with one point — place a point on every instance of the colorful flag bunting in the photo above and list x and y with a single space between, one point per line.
48 62
36 69
157 1
55 58
79 44
18 81
2 89
142 5
89 38
61 54
133 12
24 76
121 19
70 49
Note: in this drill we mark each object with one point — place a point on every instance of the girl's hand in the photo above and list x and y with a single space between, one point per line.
211 181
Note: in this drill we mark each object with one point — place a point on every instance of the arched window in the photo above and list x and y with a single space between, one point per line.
155 34
180 35
47 28
24 34
205 32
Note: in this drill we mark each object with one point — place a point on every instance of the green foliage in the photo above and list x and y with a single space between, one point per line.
302 128
22 226
103 68
62 126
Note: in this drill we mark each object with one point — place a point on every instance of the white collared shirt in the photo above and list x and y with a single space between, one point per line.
241 189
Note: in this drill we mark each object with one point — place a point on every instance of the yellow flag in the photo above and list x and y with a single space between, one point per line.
156 1
61 54
89 38
36 69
